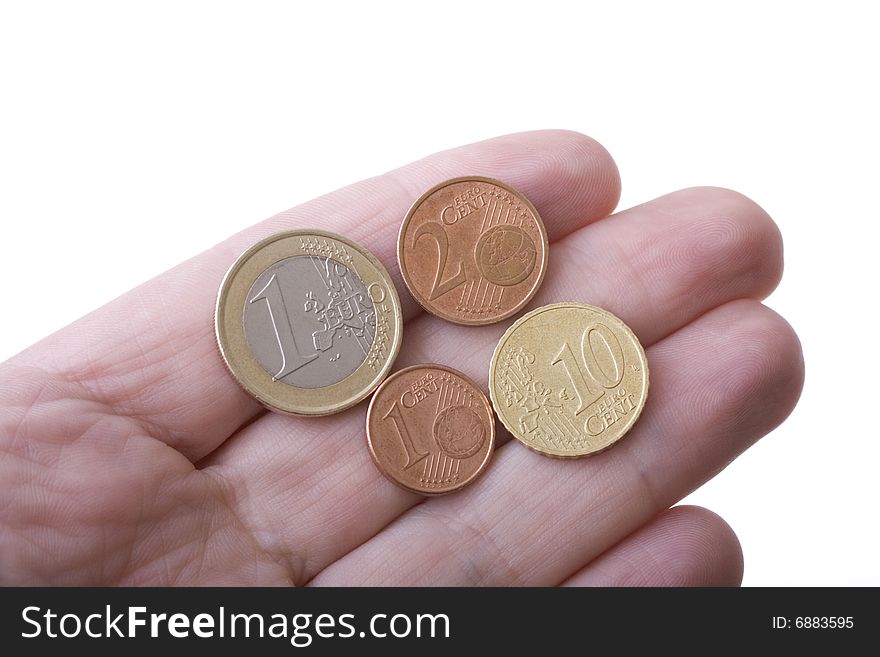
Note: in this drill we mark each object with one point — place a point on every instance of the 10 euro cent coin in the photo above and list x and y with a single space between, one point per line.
472 250
568 379
308 322
430 429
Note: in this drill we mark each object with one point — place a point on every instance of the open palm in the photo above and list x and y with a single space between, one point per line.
128 455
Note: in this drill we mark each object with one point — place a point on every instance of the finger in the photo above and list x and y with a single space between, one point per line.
718 384
683 546
657 266
320 472
152 354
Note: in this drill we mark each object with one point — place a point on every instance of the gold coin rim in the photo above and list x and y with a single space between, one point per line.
484 465
424 303
555 306
251 376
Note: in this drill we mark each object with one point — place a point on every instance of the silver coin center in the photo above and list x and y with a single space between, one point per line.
309 321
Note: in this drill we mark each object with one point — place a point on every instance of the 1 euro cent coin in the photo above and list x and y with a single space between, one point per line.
430 429
472 250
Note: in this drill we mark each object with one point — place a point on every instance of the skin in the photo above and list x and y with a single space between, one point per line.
129 456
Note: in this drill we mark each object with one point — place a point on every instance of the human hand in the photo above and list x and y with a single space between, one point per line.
128 454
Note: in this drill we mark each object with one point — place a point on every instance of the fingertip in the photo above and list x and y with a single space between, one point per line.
767 363
569 177
682 546
578 178
710 541
763 247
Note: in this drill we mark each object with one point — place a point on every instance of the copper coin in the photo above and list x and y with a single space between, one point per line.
430 429
472 250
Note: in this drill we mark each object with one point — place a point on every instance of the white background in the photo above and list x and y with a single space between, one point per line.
133 136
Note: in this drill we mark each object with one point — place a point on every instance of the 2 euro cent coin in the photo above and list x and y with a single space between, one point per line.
472 250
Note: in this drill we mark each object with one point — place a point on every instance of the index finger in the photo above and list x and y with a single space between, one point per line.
151 354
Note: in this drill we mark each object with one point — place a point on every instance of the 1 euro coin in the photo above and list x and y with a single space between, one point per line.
308 322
